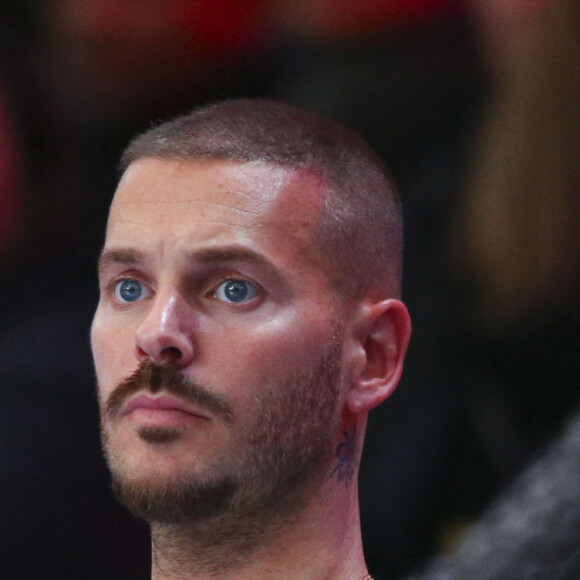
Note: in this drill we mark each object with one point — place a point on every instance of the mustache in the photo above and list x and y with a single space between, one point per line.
155 378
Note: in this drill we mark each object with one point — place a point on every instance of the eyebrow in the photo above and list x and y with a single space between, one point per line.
125 256
205 256
217 256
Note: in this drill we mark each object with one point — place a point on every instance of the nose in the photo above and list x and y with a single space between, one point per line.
165 335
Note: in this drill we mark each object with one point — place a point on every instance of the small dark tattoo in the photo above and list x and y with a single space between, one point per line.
346 453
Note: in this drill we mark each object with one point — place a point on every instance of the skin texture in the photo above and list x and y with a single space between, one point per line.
180 229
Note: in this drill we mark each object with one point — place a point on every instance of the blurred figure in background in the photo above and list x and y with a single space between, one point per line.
532 531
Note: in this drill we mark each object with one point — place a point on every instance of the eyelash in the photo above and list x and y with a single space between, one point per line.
253 287
112 286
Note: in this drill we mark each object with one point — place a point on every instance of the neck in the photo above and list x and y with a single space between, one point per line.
322 541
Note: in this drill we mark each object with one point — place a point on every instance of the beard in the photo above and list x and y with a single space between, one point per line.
280 459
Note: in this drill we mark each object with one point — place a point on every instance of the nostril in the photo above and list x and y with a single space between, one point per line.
172 352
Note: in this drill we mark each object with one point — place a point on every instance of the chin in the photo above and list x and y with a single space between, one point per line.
162 491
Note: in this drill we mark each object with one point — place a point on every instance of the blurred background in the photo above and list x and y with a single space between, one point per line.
474 106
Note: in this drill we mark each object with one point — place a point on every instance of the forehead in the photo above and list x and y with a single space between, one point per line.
210 201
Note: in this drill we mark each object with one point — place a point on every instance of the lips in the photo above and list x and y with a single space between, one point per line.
162 405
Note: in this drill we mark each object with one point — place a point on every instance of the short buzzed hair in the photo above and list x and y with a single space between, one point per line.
360 232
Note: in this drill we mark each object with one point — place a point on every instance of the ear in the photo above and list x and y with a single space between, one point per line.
381 333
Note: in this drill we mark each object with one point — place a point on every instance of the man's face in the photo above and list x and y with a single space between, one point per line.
216 342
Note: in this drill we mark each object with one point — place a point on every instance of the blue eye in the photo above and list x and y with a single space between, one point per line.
129 291
235 291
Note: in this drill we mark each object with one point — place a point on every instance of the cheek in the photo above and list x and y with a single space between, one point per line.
262 354
112 350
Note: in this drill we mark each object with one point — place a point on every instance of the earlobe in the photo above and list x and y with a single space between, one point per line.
384 330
